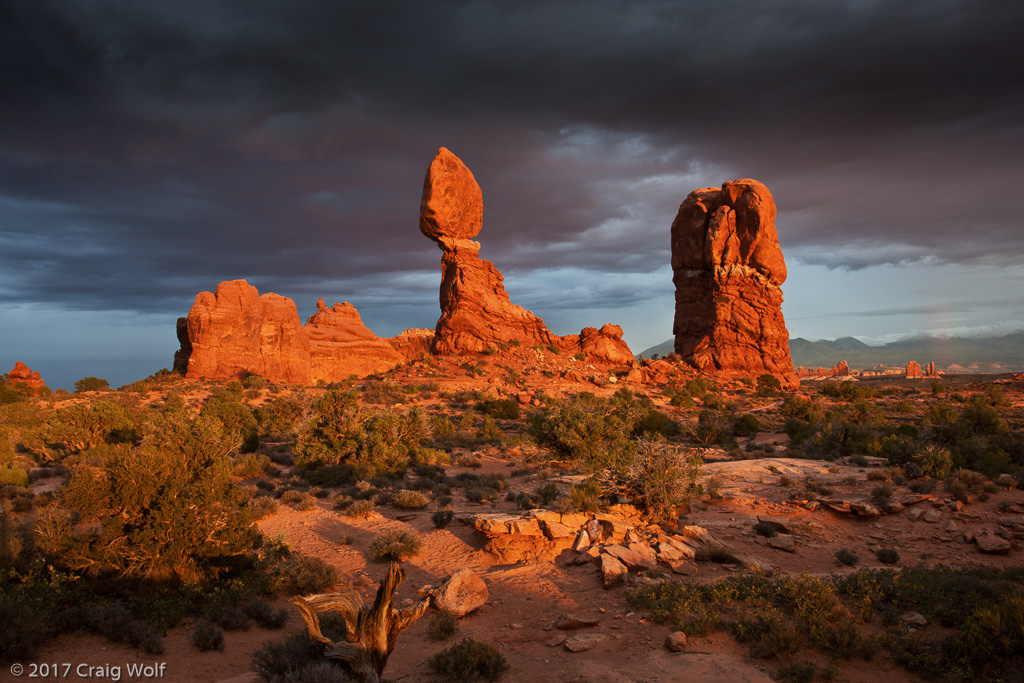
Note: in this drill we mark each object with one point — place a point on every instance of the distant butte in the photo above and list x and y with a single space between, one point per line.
728 270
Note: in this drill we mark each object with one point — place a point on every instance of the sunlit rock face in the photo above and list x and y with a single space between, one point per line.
476 313
24 375
728 270
236 331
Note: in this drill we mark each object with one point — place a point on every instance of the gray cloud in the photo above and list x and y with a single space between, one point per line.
149 150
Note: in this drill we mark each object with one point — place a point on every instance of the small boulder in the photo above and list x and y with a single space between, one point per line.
613 572
993 545
461 594
584 642
676 641
568 622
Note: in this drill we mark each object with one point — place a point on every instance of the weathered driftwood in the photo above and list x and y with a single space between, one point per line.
370 633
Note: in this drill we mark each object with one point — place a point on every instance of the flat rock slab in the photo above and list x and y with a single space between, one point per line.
777 522
992 544
568 622
584 642
631 558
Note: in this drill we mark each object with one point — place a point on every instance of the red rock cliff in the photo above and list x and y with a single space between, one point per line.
728 270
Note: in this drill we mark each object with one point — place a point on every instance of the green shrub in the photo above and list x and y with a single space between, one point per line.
848 557
360 508
170 508
410 500
468 660
548 493
442 517
768 385
265 614
797 672
206 635
443 624
91 384
302 575
887 555
394 545
12 475
746 425
261 507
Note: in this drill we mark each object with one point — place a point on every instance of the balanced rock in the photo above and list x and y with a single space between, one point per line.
236 331
913 370
728 271
24 375
476 312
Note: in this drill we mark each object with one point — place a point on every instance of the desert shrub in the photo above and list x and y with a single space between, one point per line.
297 498
469 460
746 425
255 382
394 545
547 493
360 508
366 443
768 385
116 622
277 660
442 517
658 479
13 475
443 624
500 408
261 507
265 614
84 425
248 465
797 672
469 660
489 430
23 628
91 384
169 507
206 635
279 415
302 575
882 494
848 557
443 427
410 500
887 555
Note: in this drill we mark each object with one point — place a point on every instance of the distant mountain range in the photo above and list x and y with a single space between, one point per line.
954 354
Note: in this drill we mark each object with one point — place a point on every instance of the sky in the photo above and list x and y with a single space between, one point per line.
149 150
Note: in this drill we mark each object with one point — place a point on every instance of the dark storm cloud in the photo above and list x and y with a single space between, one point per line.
149 150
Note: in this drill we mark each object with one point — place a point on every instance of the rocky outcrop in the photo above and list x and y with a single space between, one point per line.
841 369
24 375
476 312
236 331
913 370
728 270
339 342
413 343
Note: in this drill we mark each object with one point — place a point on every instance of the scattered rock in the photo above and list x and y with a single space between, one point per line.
932 516
676 641
915 514
557 640
914 619
613 572
584 642
568 622
461 594
631 558
780 524
582 541
782 543
991 544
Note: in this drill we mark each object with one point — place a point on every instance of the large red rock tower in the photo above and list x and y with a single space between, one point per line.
728 270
